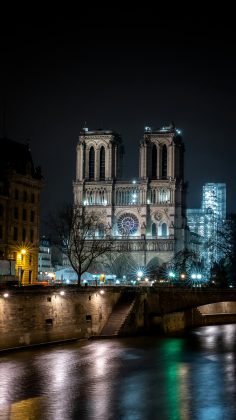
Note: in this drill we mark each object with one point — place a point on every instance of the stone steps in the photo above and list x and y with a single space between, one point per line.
118 315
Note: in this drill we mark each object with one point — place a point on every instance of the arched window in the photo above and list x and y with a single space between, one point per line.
102 163
154 162
164 162
101 231
91 163
154 230
164 230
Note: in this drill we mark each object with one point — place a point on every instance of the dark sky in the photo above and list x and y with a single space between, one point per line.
122 70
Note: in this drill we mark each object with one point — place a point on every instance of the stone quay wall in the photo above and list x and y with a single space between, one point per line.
29 316
32 316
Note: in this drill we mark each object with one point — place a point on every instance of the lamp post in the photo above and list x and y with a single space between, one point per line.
21 267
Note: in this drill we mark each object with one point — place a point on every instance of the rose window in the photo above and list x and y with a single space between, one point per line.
127 224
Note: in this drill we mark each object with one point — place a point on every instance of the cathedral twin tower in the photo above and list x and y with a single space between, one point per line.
148 211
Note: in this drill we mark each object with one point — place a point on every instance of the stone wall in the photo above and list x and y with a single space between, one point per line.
30 317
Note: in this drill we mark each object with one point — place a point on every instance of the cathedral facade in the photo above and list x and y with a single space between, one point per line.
146 215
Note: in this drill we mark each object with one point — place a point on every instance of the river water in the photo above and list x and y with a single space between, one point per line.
190 377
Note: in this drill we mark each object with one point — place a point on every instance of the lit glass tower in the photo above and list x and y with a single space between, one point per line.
207 221
214 207
214 198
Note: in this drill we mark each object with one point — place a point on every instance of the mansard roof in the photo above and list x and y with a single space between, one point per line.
15 156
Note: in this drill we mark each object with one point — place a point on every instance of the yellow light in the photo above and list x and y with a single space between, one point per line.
23 251
182 276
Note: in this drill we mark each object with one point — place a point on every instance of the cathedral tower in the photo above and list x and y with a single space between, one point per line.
146 215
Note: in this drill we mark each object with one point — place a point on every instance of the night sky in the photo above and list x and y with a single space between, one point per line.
122 70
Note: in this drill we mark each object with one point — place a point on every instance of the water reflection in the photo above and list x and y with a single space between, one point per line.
192 377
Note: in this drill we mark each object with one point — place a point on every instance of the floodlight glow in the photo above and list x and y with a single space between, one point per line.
139 273
171 274
199 276
105 202
5 295
23 251
134 182
102 292
193 276
62 292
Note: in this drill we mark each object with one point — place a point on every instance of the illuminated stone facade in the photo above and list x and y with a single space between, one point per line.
146 214
20 186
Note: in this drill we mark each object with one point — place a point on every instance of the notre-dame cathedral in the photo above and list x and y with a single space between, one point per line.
148 211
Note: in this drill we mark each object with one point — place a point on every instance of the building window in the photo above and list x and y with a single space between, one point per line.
1 210
16 195
91 163
31 235
1 232
16 212
164 162
127 224
23 234
164 196
32 216
25 196
154 230
15 234
101 231
32 198
154 162
24 214
164 230
102 163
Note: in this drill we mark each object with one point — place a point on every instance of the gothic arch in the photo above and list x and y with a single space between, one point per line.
91 163
164 161
154 230
102 163
154 161
163 230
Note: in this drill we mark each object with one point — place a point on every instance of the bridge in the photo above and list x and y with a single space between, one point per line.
174 309
178 299
177 309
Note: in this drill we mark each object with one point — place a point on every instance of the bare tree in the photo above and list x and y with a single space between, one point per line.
120 263
184 262
82 235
